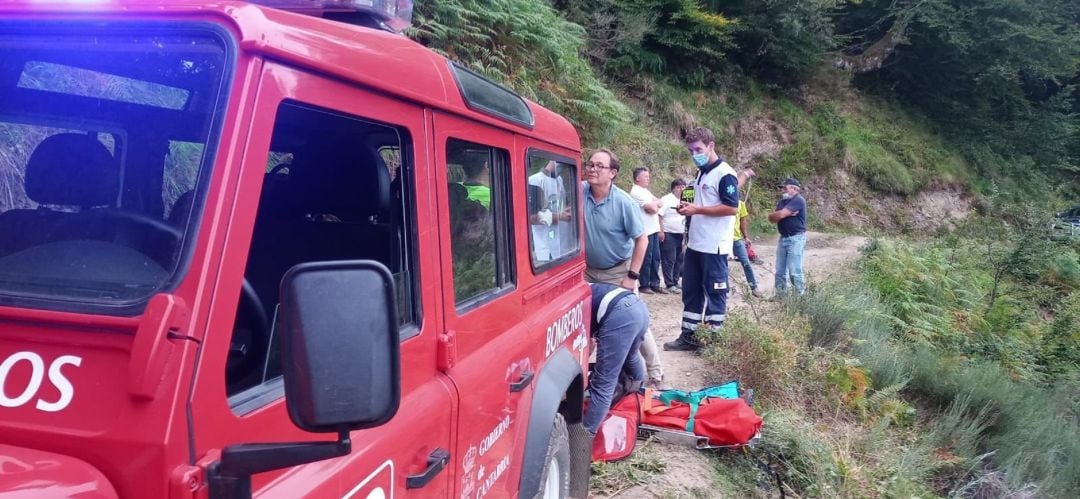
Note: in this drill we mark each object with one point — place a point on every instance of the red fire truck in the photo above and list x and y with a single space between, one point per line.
252 251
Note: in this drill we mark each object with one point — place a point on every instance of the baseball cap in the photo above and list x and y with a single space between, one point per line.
790 181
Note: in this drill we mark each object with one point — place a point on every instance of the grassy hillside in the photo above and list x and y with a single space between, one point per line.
949 365
632 75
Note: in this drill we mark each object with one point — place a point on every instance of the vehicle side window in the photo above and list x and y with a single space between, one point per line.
179 178
327 195
552 215
479 229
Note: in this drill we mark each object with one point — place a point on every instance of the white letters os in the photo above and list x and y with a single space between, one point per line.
37 375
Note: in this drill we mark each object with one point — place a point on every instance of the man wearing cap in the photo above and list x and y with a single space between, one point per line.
790 220
710 238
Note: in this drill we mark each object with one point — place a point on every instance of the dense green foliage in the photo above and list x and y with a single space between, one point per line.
528 46
682 39
1006 70
965 301
857 405
991 355
999 78
783 41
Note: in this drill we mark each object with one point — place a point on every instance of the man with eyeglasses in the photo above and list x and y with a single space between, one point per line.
615 240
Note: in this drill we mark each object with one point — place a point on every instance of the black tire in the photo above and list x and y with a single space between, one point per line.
558 451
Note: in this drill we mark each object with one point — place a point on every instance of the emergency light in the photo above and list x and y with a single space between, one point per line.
393 15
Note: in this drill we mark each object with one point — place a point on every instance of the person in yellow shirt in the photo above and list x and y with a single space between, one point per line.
742 235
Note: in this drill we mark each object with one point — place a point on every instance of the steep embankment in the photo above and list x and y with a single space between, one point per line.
866 165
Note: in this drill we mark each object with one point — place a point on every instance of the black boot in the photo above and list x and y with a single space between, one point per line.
682 344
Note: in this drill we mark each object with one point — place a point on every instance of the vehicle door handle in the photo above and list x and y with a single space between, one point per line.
521 384
435 463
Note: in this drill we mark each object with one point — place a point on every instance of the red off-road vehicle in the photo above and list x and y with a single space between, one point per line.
248 251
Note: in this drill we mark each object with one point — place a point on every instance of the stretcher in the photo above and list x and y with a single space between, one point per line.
686 438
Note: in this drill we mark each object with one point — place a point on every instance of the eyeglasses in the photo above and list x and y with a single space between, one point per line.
596 166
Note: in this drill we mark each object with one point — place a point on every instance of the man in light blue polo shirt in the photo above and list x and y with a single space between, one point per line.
615 241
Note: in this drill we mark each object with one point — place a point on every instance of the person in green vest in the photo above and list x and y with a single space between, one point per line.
477 178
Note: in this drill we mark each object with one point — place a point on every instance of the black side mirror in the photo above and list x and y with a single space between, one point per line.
339 349
340 345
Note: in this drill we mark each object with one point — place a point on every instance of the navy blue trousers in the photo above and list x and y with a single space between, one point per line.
617 343
650 267
704 292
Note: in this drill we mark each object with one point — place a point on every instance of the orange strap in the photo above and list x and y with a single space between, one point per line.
647 402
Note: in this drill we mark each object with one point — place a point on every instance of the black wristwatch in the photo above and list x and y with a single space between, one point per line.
633 275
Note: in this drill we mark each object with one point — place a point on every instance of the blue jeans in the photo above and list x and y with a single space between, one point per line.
618 340
789 263
744 258
650 268
705 287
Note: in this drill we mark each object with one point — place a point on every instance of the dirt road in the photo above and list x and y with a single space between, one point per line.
687 471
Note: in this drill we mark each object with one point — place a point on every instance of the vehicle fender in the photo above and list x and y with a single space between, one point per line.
560 372
34 473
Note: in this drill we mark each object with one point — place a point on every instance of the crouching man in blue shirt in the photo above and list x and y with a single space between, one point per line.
619 322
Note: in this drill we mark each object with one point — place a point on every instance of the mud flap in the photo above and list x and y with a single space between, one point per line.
580 461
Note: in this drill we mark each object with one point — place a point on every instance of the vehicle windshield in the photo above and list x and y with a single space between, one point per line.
105 131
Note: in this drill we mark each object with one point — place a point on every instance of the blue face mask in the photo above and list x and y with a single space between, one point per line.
701 159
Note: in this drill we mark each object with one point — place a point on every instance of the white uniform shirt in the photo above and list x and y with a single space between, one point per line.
670 219
551 241
641 195
709 234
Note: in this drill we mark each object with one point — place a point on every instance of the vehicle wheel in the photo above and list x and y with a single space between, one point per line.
556 477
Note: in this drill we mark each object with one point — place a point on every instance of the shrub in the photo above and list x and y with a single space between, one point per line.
1060 348
682 40
763 356
783 41
987 411
808 463
834 310
852 382
882 171
1064 270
